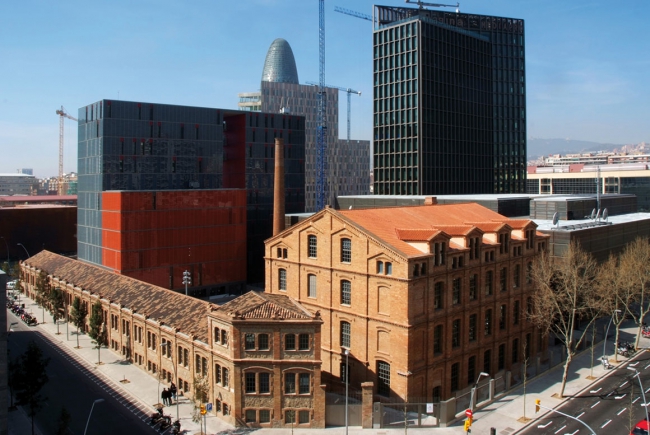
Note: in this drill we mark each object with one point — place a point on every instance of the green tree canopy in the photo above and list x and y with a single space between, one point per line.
31 377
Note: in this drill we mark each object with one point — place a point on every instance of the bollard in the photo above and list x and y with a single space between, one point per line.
493 431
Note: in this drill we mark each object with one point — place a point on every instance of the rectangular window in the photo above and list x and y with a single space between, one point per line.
303 383
455 333
389 268
303 417
217 373
250 383
472 327
265 385
282 279
488 322
346 250
225 377
502 356
515 313
437 339
249 341
265 416
263 341
289 383
383 378
503 279
455 291
312 241
489 283
437 295
289 342
303 342
455 368
345 334
311 286
251 416
380 267
346 292
503 315
472 286
487 359
290 416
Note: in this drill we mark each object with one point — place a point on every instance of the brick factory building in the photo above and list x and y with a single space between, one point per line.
424 298
260 353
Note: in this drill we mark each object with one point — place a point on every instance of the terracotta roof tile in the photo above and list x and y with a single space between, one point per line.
456 230
256 305
414 235
187 314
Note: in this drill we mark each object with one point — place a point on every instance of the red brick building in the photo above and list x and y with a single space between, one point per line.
424 298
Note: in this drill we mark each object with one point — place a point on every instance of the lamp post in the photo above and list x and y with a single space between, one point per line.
20 244
607 331
346 352
187 279
645 404
7 245
168 344
91 412
471 396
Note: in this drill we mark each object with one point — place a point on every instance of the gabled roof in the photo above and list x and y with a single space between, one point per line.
490 227
185 313
257 305
413 235
456 230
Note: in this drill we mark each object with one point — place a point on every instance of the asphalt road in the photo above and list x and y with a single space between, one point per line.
611 406
76 385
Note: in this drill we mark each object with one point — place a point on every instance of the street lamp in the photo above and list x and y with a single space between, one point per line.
187 279
20 244
607 331
170 352
7 245
471 397
91 412
638 376
346 352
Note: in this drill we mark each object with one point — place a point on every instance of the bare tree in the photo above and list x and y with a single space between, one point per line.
635 268
565 295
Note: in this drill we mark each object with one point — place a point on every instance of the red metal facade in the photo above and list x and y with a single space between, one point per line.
154 236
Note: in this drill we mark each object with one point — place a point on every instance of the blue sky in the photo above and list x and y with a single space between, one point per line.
587 63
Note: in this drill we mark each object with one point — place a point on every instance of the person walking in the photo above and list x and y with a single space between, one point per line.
172 390
164 396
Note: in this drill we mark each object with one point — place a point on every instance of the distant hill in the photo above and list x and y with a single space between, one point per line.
545 147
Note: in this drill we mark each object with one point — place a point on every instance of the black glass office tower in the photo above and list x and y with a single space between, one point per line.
449 103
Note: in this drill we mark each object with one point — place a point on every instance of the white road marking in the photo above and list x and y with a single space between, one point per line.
621 386
560 429
606 423
580 415
620 397
595 404
634 401
574 433
633 365
595 391
621 411
647 390
644 368
540 426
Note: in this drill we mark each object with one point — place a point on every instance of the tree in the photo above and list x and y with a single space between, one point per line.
201 389
97 331
78 315
41 288
56 306
635 267
31 377
565 294
64 422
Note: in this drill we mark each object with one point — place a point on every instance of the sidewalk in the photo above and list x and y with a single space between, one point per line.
505 414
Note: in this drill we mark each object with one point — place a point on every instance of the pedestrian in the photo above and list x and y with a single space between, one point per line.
172 390
164 396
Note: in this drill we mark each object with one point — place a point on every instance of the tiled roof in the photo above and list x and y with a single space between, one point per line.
456 230
257 305
416 235
518 224
187 314
382 223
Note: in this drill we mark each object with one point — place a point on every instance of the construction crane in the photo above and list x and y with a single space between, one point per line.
349 92
353 13
62 114
321 129
422 4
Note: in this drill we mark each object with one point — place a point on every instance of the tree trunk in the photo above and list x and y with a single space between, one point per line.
616 346
565 375
78 337
638 334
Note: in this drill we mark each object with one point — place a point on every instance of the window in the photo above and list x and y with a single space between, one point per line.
345 334
503 315
346 250
503 279
437 295
346 292
471 370
380 267
455 291
312 249
472 287
502 356
515 313
250 383
311 286
303 383
487 359
515 350
303 417
225 377
303 342
263 341
217 335
488 322
249 341
289 342
224 337
383 378
455 368
217 374
489 283
265 384
455 333
437 339
265 416
282 279
251 416
439 251
289 383
529 306
389 268
516 276
437 394
529 272
472 327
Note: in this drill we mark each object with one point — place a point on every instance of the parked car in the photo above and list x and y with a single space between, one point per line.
641 428
11 285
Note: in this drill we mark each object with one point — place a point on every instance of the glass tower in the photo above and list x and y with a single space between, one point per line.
449 103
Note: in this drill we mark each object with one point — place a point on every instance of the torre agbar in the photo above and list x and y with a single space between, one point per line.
449 103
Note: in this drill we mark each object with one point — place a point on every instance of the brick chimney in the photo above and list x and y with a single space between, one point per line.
430 200
278 187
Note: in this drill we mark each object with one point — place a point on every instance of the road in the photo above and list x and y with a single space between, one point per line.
76 385
611 406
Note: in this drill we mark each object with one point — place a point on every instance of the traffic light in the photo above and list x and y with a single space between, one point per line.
471 420
537 403
203 411
468 423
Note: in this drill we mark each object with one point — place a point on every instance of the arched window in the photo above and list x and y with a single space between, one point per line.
282 279
383 378
346 292
346 250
